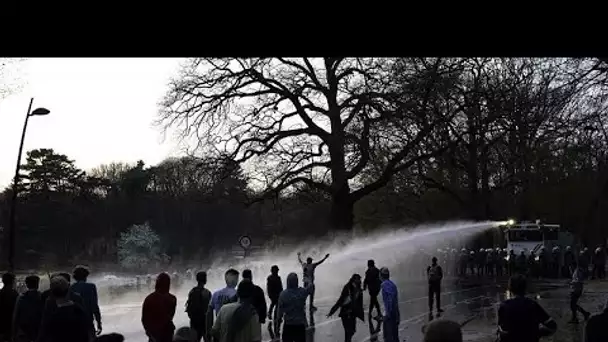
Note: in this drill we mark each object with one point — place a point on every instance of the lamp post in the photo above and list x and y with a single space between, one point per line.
11 224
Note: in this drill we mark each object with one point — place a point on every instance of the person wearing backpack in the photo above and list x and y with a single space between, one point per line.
435 275
197 308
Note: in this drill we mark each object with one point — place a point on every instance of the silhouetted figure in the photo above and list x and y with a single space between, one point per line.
522 263
88 292
113 337
350 304
568 262
532 265
435 275
392 315
490 262
274 287
595 329
63 319
555 261
8 300
239 322
512 263
584 259
472 262
599 263
259 298
228 293
463 261
443 331
500 262
481 261
185 334
75 297
198 308
158 311
308 279
521 319
372 284
28 311
291 310
576 287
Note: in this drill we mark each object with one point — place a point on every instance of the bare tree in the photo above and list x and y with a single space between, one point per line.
317 122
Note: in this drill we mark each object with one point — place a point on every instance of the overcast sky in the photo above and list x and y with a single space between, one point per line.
102 110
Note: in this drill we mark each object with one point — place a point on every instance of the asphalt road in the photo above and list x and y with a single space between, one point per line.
459 300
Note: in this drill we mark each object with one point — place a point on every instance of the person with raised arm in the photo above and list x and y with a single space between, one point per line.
308 278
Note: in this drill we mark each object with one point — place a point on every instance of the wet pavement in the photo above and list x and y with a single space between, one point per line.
472 303
460 300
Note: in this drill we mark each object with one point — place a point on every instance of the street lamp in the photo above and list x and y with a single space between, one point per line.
11 224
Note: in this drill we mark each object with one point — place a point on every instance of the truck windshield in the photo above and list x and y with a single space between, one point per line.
525 235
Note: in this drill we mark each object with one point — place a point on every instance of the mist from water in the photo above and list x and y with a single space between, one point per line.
392 248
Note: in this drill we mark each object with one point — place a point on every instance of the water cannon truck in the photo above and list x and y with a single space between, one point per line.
529 236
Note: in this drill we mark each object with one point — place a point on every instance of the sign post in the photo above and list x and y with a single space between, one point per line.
245 243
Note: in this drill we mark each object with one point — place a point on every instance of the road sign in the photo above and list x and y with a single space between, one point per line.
245 241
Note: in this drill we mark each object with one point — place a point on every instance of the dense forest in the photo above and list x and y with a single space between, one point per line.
284 149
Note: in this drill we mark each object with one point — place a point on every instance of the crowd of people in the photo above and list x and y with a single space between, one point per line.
70 311
545 262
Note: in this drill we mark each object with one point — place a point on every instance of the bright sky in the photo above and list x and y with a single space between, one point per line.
102 110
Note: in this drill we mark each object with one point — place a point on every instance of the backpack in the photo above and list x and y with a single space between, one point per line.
435 273
198 302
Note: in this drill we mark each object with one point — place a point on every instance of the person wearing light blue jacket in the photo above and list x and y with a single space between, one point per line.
227 294
390 297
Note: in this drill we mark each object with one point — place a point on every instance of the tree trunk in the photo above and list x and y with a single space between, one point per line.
342 212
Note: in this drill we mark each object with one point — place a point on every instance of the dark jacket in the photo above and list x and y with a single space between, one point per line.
64 322
274 287
158 311
350 303
292 302
595 329
259 303
88 292
372 280
8 299
28 315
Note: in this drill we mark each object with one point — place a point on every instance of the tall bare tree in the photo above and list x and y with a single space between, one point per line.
319 122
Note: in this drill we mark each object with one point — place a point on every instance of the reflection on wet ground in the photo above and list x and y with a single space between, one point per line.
473 303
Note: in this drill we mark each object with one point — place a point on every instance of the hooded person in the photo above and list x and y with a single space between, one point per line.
28 311
350 304
392 316
158 311
239 322
291 310
227 294
65 320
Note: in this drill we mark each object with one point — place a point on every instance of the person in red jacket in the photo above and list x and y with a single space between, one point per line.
158 311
